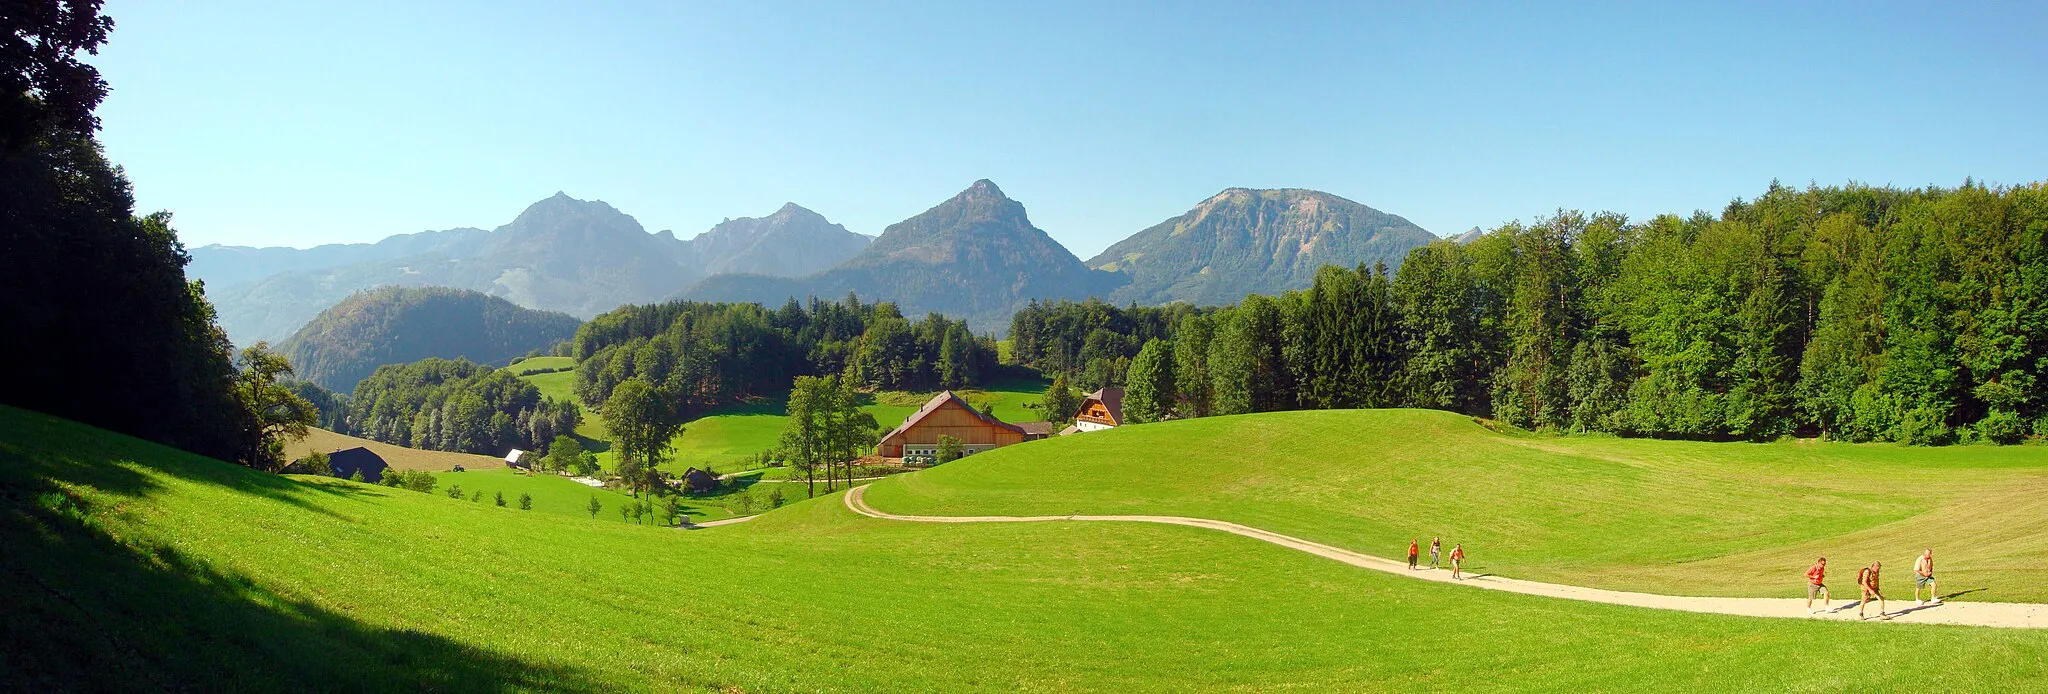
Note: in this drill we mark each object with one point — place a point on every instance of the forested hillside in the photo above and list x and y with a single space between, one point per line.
1918 316
456 405
702 355
397 325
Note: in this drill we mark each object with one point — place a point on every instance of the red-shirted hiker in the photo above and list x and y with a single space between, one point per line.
1414 549
1816 584
1868 580
1457 562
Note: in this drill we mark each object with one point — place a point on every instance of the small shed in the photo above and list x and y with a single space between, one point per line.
1034 431
348 462
698 481
517 458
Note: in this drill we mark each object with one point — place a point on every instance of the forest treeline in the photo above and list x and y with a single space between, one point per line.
702 355
453 405
1855 312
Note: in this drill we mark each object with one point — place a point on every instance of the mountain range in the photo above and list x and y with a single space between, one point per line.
975 256
1243 241
561 254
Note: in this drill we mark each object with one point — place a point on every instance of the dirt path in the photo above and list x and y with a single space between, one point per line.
1983 614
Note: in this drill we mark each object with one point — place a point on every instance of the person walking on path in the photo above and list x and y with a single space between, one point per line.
1816 584
1412 550
1436 550
1923 576
1457 562
1868 580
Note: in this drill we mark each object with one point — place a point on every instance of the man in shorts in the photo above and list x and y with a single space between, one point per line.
1413 549
1923 577
1436 551
1816 584
1867 579
1457 561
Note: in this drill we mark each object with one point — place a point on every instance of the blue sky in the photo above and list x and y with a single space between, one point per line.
265 123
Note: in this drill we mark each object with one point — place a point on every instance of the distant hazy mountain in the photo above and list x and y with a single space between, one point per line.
975 256
228 266
561 254
1245 241
397 325
1469 236
793 242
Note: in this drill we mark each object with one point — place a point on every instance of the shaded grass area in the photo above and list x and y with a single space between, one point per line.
1631 514
152 568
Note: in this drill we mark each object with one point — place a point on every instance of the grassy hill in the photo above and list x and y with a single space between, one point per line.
1661 516
136 566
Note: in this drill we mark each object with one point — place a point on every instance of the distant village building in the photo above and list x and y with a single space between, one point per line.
947 415
347 463
1034 431
1102 409
517 458
699 481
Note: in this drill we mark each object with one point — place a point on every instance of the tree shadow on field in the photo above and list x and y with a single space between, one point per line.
84 610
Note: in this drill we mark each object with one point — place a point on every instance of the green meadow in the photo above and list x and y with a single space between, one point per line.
134 566
1690 518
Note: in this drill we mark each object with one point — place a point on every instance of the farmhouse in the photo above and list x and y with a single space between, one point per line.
947 415
1102 409
347 462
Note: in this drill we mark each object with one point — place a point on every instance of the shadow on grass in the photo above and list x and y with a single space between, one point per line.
86 611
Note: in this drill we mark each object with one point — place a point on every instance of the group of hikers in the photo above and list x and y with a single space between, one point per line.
1867 581
1867 578
1436 552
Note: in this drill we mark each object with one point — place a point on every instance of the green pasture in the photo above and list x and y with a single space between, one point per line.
136 567
1676 517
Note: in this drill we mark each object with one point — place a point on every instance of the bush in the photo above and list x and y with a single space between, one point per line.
454 491
415 480
356 476
1922 426
743 503
775 497
525 501
501 499
2001 426
594 506
314 463
477 497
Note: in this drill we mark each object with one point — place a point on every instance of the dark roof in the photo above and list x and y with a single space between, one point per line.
1112 399
933 404
347 462
1036 428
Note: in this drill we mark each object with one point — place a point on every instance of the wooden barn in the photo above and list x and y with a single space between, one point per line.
348 462
947 415
1103 409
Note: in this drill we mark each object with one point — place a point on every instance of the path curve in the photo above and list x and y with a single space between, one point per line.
1983 614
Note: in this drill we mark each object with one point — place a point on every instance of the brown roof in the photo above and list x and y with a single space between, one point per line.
933 405
1112 398
1036 428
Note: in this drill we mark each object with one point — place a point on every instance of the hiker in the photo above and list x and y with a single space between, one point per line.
1923 575
1868 580
1816 585
1436 550
1414 548
1457 561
